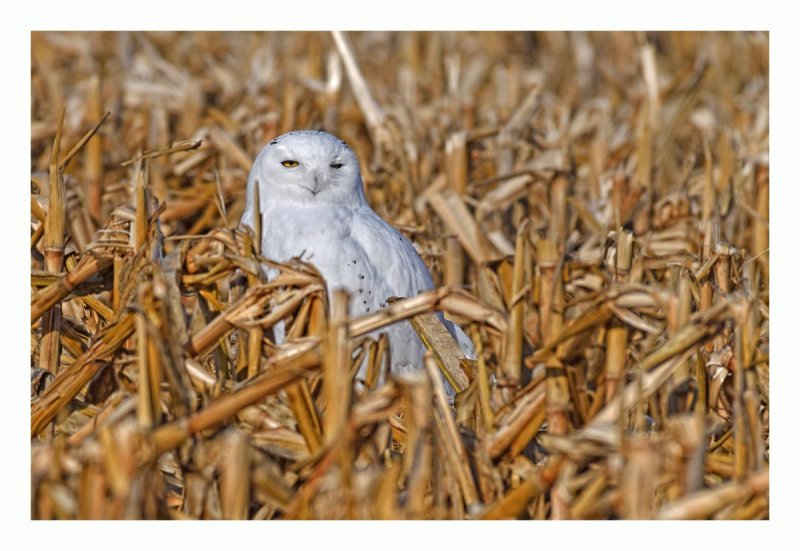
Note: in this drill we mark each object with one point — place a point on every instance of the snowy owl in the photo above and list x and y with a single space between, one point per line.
313 207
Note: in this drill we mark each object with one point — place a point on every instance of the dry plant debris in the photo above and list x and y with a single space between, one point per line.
593 207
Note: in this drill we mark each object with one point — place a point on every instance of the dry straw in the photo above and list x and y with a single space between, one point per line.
593 208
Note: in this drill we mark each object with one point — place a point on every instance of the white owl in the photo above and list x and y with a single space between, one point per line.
313 207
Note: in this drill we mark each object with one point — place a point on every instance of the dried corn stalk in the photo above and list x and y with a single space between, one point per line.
594 212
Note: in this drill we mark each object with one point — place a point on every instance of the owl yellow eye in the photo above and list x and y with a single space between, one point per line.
290 163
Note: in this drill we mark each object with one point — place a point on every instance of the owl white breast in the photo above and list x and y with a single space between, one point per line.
313 207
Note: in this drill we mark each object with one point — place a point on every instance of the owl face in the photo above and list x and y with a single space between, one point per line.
307 167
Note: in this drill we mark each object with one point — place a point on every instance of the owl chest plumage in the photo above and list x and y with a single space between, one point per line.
355 250
320 236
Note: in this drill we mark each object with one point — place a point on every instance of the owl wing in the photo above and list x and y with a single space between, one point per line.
399 270
399 266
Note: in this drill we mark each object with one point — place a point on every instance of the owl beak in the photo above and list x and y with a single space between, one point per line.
318 182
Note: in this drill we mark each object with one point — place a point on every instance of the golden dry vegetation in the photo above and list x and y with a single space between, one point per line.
593 206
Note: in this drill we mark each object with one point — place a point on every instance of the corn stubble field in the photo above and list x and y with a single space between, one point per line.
592 206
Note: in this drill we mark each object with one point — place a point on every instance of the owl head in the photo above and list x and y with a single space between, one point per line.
308 166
